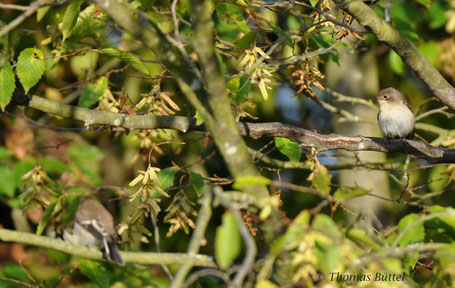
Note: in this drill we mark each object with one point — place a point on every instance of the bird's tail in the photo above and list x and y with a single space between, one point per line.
112 253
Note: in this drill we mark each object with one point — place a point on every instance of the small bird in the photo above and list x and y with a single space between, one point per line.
93 226
395 116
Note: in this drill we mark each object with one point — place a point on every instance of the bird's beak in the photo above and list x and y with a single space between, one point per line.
375 99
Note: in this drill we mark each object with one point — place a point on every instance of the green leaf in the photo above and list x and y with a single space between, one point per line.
198 183
242 86
199 118
314 2
70 17
289 148
53 165
86 25
41 12
413 235
232 14
92 92
16 272
71 205
321 178
246 41
30 68
323 40
250 181
437 14
5 153
362 239
437 178
7 84
128 58
7 182
325 225
396 63
295 231
346 192
46 217
229 13
166 177
227 241
222 64
330 259
96 272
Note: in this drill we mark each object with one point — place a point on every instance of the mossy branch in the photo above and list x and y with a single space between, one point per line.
145 258
305 137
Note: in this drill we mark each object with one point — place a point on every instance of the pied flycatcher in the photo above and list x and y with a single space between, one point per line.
94 226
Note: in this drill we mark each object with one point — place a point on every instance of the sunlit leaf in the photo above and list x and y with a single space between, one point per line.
30 67
395 63
166 177
250 181
128 58
289 148
346 193
414 234
227 241
321 178
70 17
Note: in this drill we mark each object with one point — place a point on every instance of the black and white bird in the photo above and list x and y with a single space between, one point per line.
94 226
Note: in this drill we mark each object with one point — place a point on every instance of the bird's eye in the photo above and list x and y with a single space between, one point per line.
386 96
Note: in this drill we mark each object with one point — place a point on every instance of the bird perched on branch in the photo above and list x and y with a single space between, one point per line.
94 226
395 116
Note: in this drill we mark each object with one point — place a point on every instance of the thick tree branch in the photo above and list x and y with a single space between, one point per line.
92 253
221 123
404 48
333 141
254 130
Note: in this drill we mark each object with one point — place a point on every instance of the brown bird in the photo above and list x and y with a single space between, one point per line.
395 116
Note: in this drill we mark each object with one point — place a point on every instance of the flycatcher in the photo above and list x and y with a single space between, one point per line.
94 226
395 116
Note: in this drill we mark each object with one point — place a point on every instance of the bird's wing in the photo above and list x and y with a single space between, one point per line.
95 228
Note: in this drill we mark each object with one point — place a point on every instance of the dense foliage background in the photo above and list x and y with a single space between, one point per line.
269 210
